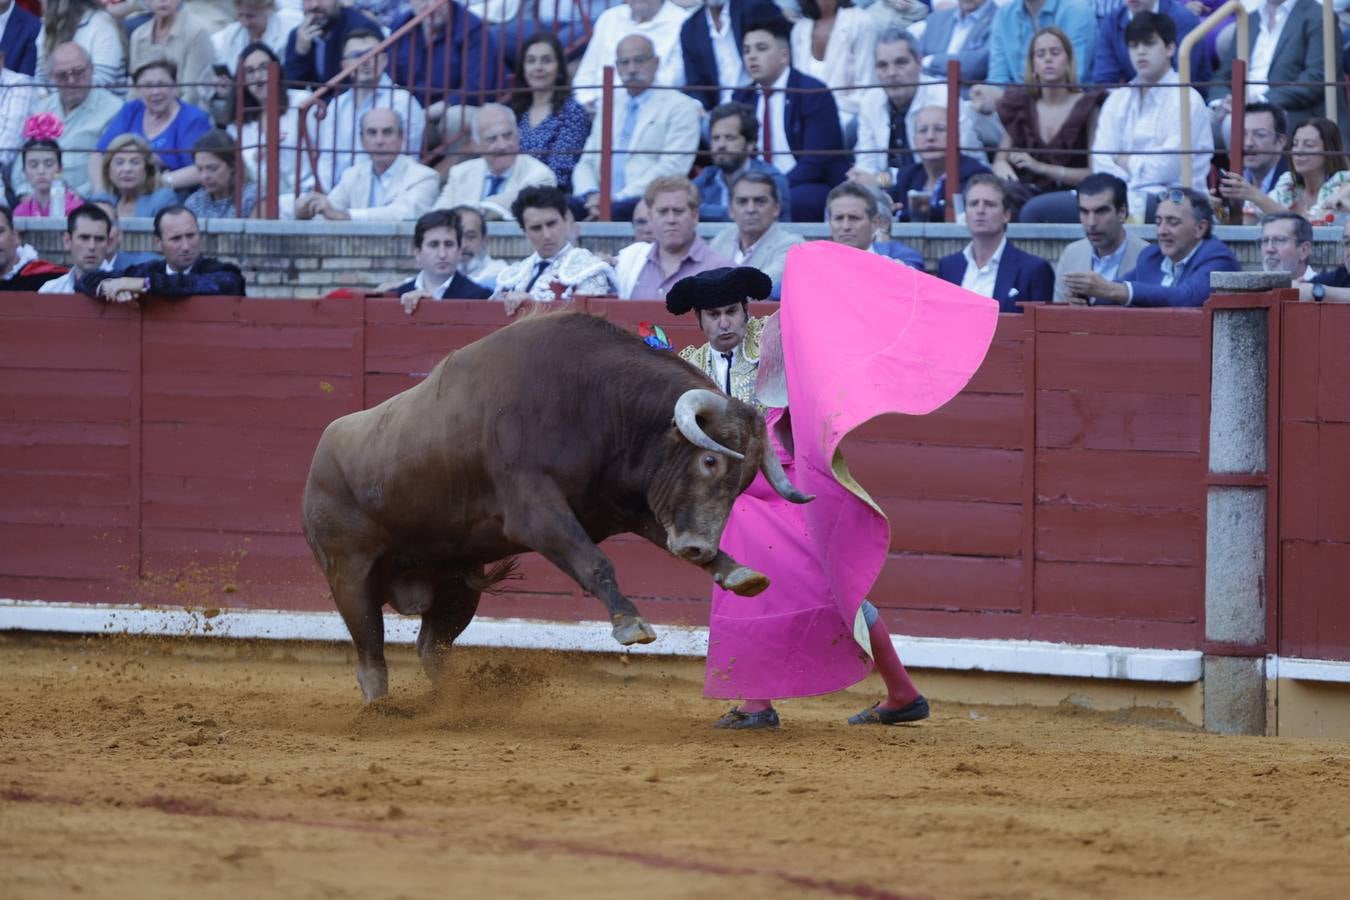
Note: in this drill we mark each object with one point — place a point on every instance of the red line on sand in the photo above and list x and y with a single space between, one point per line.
827 885
184 806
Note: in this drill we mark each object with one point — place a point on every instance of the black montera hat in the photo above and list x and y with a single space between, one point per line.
718 287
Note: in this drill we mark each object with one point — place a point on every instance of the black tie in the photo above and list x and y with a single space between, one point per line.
539 268
899 142
727 357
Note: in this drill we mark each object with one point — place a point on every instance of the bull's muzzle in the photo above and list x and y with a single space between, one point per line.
696 550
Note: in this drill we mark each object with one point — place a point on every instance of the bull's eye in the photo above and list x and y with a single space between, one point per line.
709 462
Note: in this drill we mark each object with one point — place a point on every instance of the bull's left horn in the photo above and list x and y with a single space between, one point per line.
687 409
777 478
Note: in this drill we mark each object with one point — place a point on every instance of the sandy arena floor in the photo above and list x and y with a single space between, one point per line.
170 769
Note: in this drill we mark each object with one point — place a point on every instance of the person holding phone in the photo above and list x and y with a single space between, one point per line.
314 49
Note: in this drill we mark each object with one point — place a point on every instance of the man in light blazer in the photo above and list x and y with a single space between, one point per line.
1109 250
1292 81
490 182
384 186
974 18
655 134
756 239
990 265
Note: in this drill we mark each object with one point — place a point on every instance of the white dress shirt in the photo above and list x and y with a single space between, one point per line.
421 283
782 153
1263 51
730 66
720 365
1136 122
979 280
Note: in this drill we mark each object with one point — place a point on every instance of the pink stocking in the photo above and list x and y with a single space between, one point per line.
900 690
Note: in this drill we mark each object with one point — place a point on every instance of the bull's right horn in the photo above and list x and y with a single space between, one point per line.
687 409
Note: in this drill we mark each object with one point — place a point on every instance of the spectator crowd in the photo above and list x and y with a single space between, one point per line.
754 113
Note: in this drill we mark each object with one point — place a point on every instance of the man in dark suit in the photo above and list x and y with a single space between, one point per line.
18 43
1292 79
973 18
807 123
314 48
1175 271
710 38
1266 134
436 238
183 272
990 265
1111 64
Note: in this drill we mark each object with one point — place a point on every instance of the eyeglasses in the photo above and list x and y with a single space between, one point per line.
354 56
634 60
1275 240
1261 134
65 76
256 71
1176 195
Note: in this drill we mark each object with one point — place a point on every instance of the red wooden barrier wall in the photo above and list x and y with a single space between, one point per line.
159 456
1314 531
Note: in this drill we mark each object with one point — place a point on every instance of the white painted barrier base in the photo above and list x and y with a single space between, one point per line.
1017 657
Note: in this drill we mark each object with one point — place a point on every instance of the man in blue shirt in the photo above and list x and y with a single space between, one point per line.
734 132
1016 24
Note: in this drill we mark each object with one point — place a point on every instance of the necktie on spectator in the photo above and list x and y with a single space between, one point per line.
768 125
620 157
899 139
539 268
493 185
727 357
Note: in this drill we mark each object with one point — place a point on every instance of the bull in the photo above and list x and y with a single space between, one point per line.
549 435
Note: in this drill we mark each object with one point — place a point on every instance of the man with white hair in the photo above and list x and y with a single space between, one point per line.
384 186
657 20
655 134
490 182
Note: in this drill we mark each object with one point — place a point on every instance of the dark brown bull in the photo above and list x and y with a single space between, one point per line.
549 435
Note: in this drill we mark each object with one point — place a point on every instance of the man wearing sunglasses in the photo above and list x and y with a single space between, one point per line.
1176 271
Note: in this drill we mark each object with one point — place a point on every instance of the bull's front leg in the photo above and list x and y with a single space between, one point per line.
545 523
726 572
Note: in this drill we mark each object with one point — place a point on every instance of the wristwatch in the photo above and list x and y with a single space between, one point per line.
1319 292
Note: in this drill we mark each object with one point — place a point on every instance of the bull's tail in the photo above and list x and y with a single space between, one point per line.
490 581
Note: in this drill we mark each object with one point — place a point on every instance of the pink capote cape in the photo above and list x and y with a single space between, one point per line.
862 336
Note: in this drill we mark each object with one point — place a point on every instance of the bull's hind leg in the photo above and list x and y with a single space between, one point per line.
359 604
450 613
542 521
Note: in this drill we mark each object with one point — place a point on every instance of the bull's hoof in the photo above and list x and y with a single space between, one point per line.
633 630
745 582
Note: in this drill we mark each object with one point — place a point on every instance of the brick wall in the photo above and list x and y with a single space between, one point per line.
309 259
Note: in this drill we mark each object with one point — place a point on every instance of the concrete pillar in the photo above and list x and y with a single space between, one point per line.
1236 589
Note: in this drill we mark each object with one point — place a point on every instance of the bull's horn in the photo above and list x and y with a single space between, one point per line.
773 472
687 409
